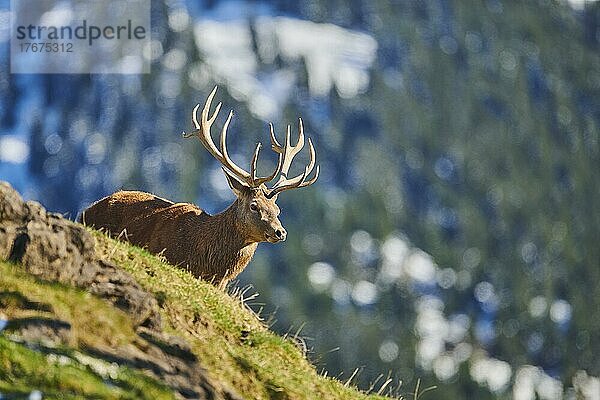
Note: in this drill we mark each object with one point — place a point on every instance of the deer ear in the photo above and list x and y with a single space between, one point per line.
238 187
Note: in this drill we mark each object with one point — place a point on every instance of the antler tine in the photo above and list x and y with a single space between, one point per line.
311 163
292 150
302 182
195 122
259 181
286 152
253 163
227 161
274 143
205 111
203 133
313 180
291 183
289 152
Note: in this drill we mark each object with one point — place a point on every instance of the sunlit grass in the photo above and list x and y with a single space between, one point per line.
231 342
235 347
66 372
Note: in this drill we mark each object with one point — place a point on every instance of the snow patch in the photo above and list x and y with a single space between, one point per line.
334 57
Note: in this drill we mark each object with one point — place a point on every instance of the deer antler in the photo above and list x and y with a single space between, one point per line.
289 152
286 152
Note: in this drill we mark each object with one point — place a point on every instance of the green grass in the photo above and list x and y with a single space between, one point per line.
63 377
66 372
231 342
238 349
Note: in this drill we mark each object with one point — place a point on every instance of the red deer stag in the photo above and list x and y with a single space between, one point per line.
214 247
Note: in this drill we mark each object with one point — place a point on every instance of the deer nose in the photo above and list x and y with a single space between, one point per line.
280 234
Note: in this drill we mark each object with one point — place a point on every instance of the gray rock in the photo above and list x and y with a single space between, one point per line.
56 249
50 332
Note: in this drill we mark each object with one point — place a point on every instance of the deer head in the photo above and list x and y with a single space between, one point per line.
257 213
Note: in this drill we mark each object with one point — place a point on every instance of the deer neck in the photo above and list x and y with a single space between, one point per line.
233 238
231 228
228 249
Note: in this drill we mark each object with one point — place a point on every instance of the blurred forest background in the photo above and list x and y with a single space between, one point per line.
454 233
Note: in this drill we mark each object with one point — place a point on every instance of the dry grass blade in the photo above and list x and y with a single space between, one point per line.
374 383
385 384
417 394
347 383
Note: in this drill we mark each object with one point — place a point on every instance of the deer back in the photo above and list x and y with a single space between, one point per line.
211 247
124 212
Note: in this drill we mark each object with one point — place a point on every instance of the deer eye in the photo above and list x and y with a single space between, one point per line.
253 207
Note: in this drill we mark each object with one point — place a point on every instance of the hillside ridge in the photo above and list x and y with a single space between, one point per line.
82 315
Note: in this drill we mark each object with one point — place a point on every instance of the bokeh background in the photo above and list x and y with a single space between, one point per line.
454 233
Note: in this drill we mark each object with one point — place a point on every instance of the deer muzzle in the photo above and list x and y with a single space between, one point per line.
277 235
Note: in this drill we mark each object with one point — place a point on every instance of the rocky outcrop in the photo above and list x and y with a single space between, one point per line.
55 249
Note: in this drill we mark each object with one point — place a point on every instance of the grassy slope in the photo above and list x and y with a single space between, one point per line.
67 372
237 349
